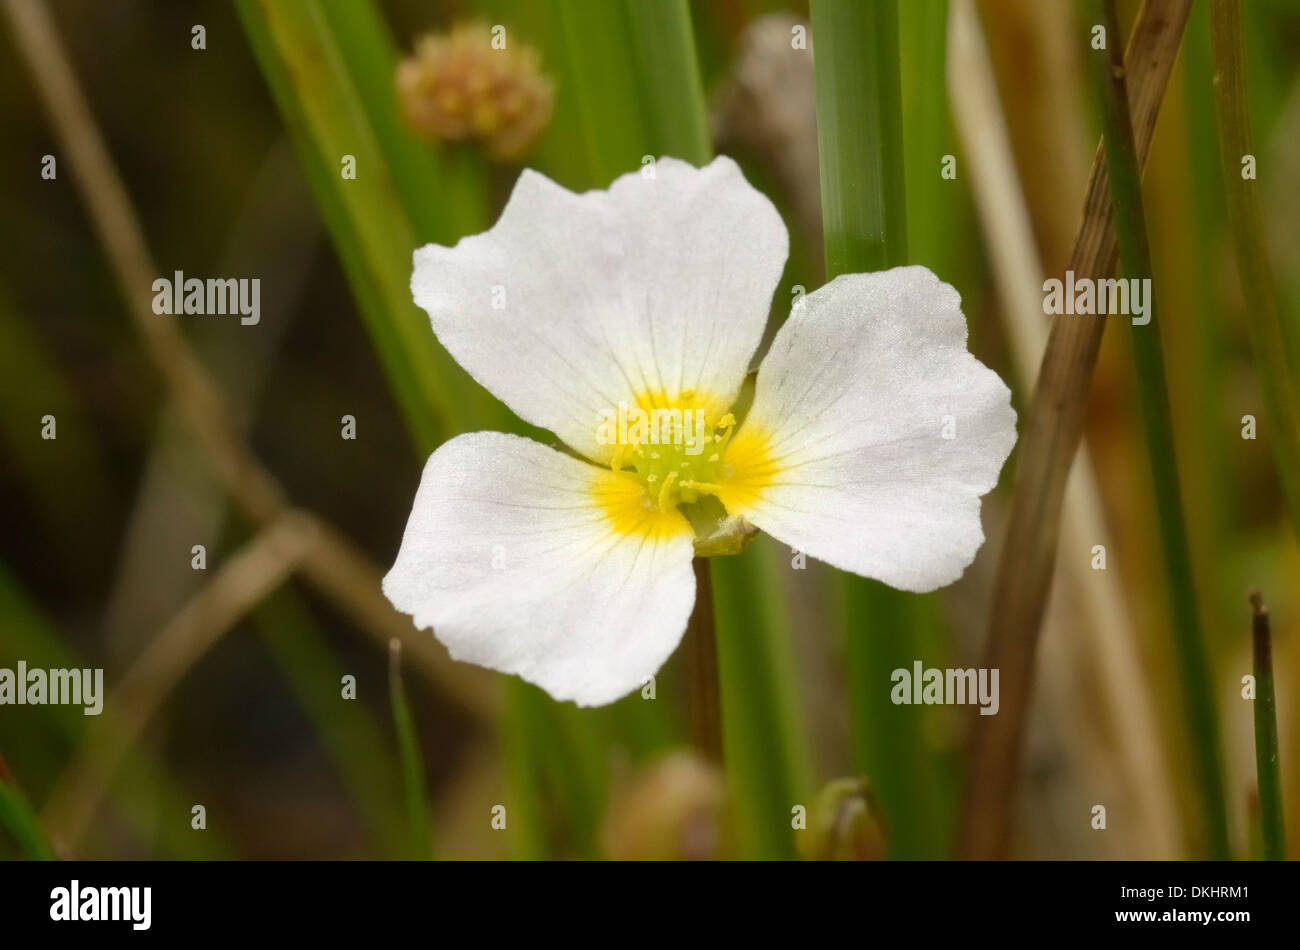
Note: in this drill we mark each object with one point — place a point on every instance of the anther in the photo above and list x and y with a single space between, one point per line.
728 424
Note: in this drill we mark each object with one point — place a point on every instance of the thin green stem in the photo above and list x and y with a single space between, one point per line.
1267 764
408 747
1241 193
1135 252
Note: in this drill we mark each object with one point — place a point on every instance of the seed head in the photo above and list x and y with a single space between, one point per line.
458 86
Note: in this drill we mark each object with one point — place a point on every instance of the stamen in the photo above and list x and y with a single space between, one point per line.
708 488
682 457
663 490
728 423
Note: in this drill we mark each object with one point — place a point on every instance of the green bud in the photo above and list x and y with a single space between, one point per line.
844 824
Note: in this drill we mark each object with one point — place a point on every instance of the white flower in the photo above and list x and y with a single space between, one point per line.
871 437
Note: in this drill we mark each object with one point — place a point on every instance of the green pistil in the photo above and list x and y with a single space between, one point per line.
677 471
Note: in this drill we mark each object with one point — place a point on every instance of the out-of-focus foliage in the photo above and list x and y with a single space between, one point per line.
99 523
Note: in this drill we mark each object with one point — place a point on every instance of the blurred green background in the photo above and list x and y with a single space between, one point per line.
228 158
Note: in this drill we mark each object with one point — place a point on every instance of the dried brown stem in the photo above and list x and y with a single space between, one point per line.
1104 651
1049 440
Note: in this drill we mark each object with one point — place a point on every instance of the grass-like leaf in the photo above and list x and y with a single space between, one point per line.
860 134
1157 425
330 68
860 140
767 762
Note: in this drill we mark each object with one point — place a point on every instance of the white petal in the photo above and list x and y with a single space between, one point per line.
512 555
573 303
844 455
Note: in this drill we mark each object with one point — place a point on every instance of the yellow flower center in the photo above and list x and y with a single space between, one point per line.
681 459
667 452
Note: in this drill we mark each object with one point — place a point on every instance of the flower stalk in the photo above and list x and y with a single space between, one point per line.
703 706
